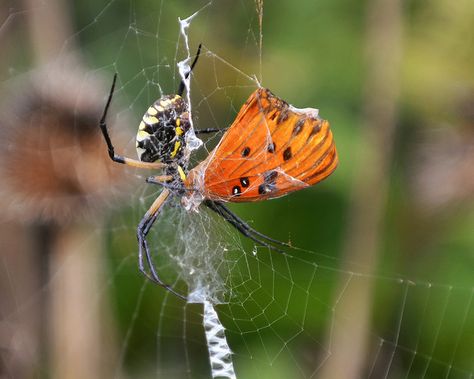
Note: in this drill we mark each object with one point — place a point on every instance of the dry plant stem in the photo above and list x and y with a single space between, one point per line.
77 347
20 319
348 338
21 305
49 29
76 305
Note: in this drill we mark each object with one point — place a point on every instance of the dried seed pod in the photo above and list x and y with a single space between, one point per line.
53 164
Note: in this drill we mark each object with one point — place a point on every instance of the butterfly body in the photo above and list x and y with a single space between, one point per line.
270 150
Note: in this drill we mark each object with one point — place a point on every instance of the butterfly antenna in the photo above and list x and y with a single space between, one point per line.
182 85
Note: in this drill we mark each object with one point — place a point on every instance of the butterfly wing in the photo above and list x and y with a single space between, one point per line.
270 149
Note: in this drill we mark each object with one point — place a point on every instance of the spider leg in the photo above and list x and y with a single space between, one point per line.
249 228
159 179
115 157
181 84
243 227
210 130
168 182
143 250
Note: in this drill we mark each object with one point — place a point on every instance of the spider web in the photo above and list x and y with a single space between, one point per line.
281 313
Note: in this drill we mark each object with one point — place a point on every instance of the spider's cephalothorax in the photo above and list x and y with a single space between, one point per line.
161 133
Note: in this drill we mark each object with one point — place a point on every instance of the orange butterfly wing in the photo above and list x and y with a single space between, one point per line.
271 149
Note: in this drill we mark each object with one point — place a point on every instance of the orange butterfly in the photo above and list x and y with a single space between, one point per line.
270 150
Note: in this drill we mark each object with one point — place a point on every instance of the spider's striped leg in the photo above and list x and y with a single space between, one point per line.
210 130
242 227
143 250
159 179
115 157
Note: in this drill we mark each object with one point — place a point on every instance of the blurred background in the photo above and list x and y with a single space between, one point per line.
380 282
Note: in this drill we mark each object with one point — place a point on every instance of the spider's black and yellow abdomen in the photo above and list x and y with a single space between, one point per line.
161 133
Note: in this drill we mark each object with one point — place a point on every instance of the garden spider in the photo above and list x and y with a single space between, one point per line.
161 144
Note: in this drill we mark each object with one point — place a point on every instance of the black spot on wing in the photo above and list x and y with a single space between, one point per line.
244 182
236 191
287 153
271 147
298 127
315 130
284 113
269 177
269 183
